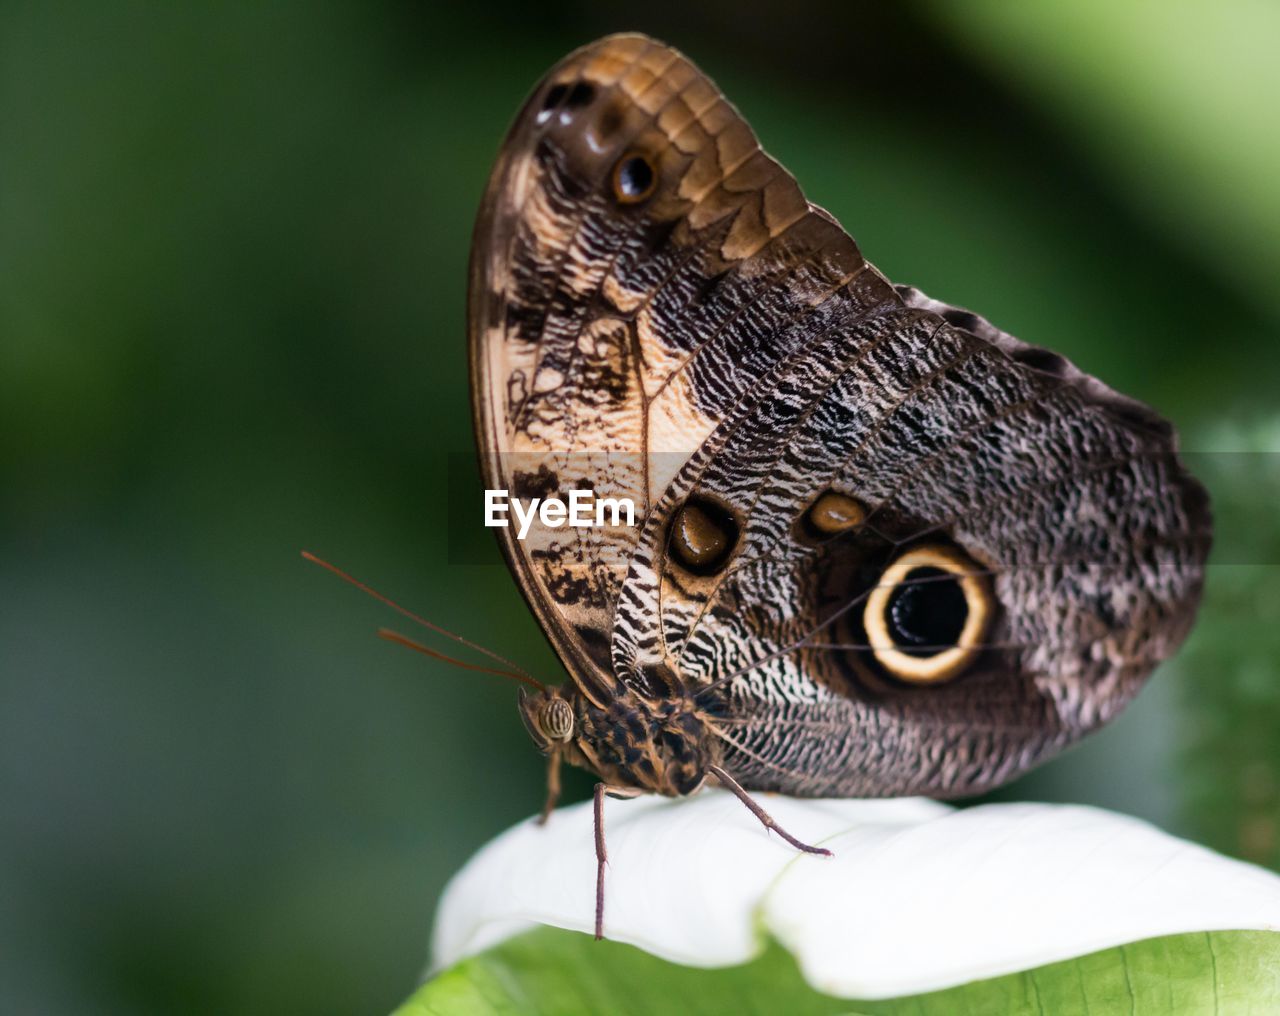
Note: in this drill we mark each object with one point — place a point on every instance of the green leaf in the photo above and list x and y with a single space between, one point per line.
553 971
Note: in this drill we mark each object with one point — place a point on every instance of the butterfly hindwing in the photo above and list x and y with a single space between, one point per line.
1066 499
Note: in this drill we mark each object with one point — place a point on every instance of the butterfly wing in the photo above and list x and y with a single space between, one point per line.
688 331
603 330
1066 500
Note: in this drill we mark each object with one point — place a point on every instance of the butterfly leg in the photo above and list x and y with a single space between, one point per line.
765 818
553 787
602 855
602 858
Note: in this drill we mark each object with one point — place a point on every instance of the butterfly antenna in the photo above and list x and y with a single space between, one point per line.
418 647
512 670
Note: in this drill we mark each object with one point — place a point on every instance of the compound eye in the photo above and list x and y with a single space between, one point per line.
634 179
928 615
556 720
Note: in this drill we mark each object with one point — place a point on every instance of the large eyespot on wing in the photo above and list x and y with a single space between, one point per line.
927 617
633 244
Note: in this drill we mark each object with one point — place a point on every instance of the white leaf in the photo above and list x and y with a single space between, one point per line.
919 896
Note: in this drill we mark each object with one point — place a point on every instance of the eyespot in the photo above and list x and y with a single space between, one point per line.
928 614
555 95
634 179
556 720
567 99
833 513
581 94
703 535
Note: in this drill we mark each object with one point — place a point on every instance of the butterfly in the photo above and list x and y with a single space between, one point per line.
882 547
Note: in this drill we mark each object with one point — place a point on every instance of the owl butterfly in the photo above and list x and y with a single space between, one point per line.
881 547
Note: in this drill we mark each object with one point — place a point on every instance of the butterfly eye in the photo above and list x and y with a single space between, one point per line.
634 179
703 535
834 513
556 719
928 614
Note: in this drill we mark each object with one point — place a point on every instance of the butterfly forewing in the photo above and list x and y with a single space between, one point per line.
603 332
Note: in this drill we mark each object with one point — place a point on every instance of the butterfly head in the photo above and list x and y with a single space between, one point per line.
548 716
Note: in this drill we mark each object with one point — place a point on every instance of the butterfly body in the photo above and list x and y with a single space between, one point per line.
882 546
662 747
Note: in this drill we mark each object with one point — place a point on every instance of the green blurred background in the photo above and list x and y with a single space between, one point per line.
233 241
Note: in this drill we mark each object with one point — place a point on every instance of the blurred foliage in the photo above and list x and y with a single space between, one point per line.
1230 695
232 268
1229 743
1174 100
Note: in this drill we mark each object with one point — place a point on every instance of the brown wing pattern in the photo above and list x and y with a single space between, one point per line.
719 342
1067 496
600 331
